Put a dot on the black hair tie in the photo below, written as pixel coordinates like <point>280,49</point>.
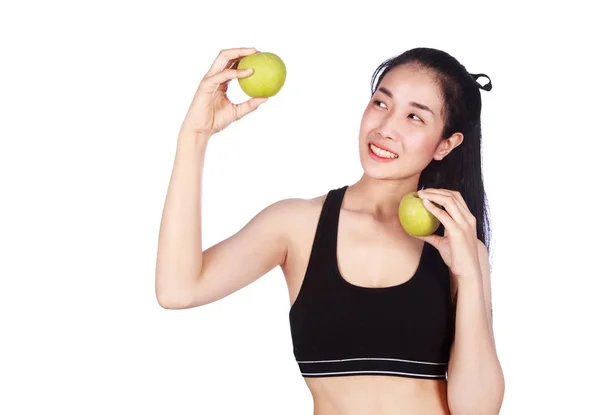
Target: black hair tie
<point>486,87</point>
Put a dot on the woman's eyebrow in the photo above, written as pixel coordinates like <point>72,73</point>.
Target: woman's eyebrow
<point>423,107</point>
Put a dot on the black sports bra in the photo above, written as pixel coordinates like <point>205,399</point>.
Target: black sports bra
<point>340,329</point>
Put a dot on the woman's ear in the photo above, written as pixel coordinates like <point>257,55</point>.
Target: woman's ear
<point>447,145</point>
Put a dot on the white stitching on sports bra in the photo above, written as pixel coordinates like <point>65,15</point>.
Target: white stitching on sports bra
<point>369,358</point>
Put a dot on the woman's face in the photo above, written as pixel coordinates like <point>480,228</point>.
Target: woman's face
<point>402,125</point>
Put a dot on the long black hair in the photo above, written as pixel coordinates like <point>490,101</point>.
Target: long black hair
<point>461,169</point>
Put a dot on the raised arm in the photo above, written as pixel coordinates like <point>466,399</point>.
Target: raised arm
<point>186,274</point>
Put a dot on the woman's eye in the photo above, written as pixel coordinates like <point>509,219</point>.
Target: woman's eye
<point>416,117</point>
<point>378,103</point>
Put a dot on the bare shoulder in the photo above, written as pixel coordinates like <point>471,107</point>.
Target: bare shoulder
<point>297,217</point>
<point>303,208</point>
<point>296,205</point>
<point>295,211</point>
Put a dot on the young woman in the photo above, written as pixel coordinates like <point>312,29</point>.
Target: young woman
<point>382,322</point>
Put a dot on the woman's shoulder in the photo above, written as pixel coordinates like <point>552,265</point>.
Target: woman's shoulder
<point>295,214</point>
<point>298,207</point>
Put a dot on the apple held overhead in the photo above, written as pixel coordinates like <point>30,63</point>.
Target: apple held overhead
<point>268,76</point>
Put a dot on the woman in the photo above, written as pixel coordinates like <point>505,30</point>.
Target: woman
<point>382,322</point>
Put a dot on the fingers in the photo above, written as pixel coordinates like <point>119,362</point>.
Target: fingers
<point>225,57</point>
<point>213,82</point>
<point>247,107</point>
<point>457,196</point>
<point>432,239</point>
<point>440,213</point>
<point>444,200</point>
<point>448,200</point>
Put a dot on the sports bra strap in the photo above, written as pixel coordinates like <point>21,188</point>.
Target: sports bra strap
<point>329,222</point>
<point>325,239</point>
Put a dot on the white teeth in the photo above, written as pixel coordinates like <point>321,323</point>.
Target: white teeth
<point>383,153</point>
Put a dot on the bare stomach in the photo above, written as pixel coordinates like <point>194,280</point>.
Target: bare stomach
<point>378,395</point>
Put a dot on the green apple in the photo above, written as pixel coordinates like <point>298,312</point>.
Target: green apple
<point>268,76</point>
<point>414,216</point>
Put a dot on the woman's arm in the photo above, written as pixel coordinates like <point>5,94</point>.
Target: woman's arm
<point>189,275</point>
<point>186,274</point>
<point>475,377</point>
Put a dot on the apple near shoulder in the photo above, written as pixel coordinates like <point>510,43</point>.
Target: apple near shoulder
<point>414,216</point>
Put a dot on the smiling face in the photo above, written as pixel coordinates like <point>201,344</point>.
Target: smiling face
<point>401,127</point>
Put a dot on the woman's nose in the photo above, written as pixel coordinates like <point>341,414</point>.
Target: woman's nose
<point>387,129</point>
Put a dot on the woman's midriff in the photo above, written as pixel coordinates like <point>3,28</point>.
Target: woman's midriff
<point>378,395</point>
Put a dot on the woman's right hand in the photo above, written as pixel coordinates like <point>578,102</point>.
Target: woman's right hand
<point>211,110</point>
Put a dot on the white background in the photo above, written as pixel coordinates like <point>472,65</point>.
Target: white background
<point>92,95</point>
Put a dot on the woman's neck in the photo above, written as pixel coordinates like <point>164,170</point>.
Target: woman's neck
<point>379,198</point>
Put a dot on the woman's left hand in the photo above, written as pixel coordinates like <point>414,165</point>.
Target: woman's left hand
<point>459,245</point>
